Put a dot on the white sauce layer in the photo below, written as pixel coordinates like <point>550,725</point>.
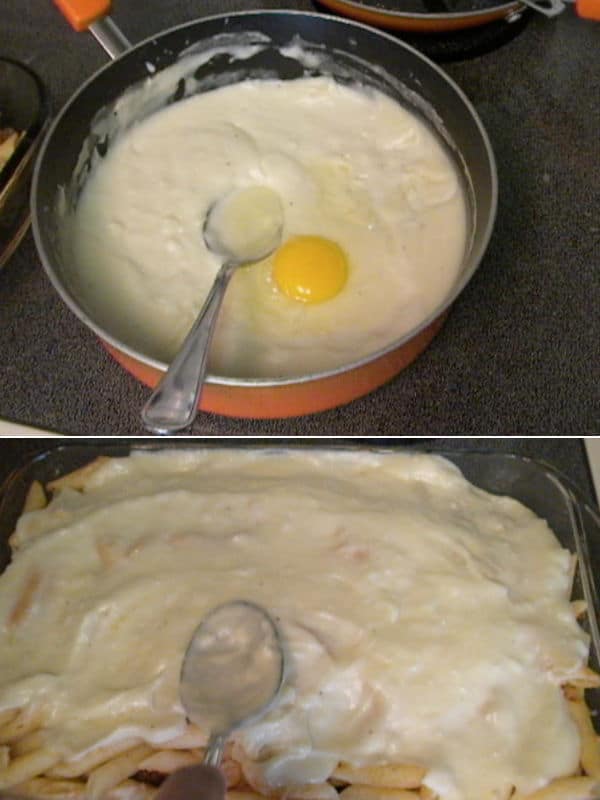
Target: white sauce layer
<point>350,165</point>
<point>426,621</point>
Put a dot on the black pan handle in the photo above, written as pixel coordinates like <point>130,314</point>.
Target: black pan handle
<point>93,15</point>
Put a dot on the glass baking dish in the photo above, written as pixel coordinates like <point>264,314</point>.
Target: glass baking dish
<point>539,486</point>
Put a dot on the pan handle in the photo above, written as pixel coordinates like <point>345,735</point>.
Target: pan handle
<point>549,8</point>
<point>93,15</point>
<point>588,9</point>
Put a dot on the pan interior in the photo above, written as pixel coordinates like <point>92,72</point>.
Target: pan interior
<point>234,55</point>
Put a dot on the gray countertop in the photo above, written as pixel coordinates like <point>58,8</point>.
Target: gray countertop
<point>519,353</point>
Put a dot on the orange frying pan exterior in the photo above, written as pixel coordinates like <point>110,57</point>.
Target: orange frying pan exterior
<point>294,399</point>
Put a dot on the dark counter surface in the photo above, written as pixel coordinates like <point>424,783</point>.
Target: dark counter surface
<point>519,353</point>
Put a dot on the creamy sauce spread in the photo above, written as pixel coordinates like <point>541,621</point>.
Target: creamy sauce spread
<point>349,164</point>
<point>425,620</point>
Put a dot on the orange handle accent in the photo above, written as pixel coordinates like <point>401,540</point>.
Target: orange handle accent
<point>590,9</point>
<point>81,13</point>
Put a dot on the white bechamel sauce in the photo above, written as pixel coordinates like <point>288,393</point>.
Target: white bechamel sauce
<point>350,165</point>
<point>425,620</point>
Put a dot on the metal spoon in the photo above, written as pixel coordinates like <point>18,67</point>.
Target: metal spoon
<point>243,227</point>
<point>232,672</point>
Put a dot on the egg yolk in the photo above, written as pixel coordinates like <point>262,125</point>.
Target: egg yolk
<point>310,269</point>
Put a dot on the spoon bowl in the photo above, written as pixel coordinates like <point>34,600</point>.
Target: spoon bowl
<point>245,225</point>
<point>232,671</point>
<point>231,674</point>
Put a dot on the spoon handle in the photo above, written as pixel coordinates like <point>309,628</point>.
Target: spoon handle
<point>214,750</point>
<point>173,404</point>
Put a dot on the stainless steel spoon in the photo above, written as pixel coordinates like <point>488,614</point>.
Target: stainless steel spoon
<point>232,672</point>
<point>243,227</point>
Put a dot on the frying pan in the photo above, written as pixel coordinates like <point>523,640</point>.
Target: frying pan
<point>438,16</point>
<point>374,58</point>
